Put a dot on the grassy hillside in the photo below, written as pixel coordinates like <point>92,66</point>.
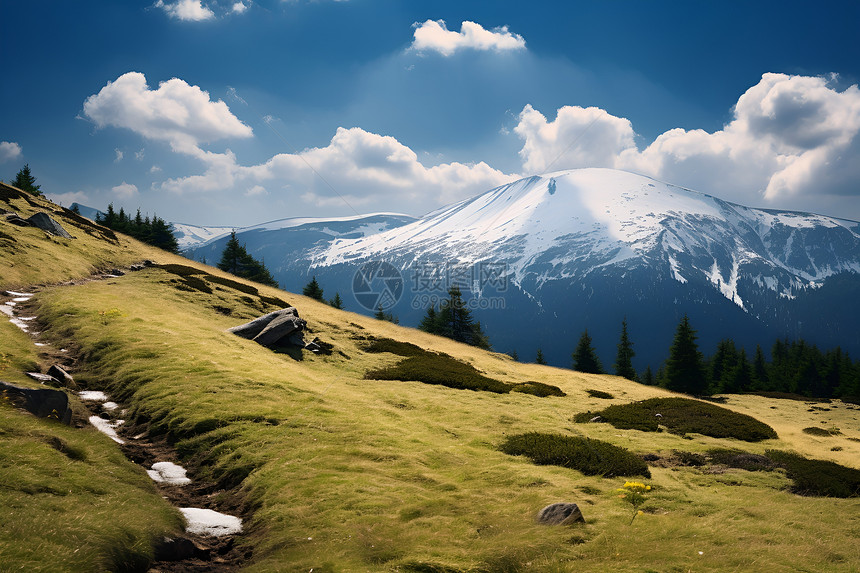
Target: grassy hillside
<point>333,471</point>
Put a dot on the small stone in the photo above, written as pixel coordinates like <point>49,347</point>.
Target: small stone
<point>560,514</point>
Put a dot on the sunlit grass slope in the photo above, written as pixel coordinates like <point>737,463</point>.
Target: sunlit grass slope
<point>335,472</point>
<point>345,474</point>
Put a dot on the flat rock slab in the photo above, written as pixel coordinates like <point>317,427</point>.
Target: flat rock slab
<point>560,514</point>
<point>49,225</point>
<point>210,522</point>
<point>274,328</point>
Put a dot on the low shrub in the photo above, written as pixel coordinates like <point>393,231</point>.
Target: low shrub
<point>538,389</point>
<point>741,460</point>
<point>394,347</point>
<point>683,416</point>
<point>591,457</point>
<point>817,477</point>
<point>815,431</point>
<point>690,459</point>
<point>439,369</point>
<point>600,394</point>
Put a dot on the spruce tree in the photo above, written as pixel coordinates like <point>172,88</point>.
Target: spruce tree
<point>454,320</point>
<point>25,181</point>
<point>236,260</point>
<point>685,371</point>
<point>624,359</point>
<point>336,302</point>
<point>539,359</point>
<point>648,377</point>
<point>313,290</point>
<point>584,357</point>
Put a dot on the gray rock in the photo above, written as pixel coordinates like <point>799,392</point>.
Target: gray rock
<point>43,403</point>
<point>251,329</point>
<point>64,377</point>
<point>49,225</point>
<point>44,379</point>
<point>286,326</point>
<point>560,514</point>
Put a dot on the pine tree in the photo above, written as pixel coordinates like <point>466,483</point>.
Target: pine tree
<point>514,356</point>
<point>685,371</point>
<point>75,209</point>
<point>336,302</point>
<point>539,359</point>
<point>454,320</point>
<point>584,357</point>
<point>761,380</point>
<point>236,260</point>
<point>648,377</point>
<point>624,359</point>
<point>25,181</point>
<point>313,290</point>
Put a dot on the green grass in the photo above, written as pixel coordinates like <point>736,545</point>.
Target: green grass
<point>683,416</point>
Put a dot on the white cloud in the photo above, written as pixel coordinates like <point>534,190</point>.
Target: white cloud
<point>256,191</point>
<point>119,155</point>
<point>178,113</point>
<point>124,190</point>
<point>186,10</point>
<point>358,168</point>
<point>155,169</point>
<point>577,137</point>
<point>9,151</point>
<point>66,199</point>
<point>433,35</point>
<point>239,8</point>
<point>792,139</point>
<point>139,155</point>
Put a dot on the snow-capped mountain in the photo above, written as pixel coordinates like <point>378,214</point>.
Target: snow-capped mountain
<point>547,256</point>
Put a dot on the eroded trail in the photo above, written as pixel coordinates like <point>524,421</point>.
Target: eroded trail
<point>211,513</point>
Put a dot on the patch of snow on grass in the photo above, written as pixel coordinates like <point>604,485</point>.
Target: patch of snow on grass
<point>108,427</point>
<point>93,395</point>
<point>110,406</point>
<point>14,293</point>
<point>169,473</point>
<point>209,522</point>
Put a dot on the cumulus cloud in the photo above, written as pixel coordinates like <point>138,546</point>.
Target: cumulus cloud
<point>433,35</point>
<point>577,137</point>
<point>66,199</point>
<point>177,113</point>
<point>187,10</point>
<point>119,155</point>
<point>357,167</point>
<point>239,8</point>
<point>790,137</point>
<point>9,151</point>
<point>124,190</point>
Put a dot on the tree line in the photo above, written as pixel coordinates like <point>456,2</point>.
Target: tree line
<point>795,367</point>
<point>155,231</point>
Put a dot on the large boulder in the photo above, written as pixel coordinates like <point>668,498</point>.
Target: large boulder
<point>43,403</point>
<point>560,514</point>
<point>49,225</point>
<point>279,327</point>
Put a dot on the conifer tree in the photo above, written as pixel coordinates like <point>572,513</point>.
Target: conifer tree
<point>624,359</point>
<point>25,181</point>
<point>313,289</point>
<point>585,358</point>
<point>514,355</point>
<point>336,302</point>
<point>648,377</point>
<point>539,359</point>
<point>454,320</point>
<point>236,260</point>
<point>685,371</point>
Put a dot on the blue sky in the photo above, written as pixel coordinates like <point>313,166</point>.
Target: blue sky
<point>234,112</point>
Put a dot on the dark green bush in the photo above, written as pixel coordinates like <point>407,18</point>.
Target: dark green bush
<point>600,394</point>
<point>683,416</point>
<point>591,457</point>
<point>741,460</point>
<point>817,477</point>
<point>439,369</point>
<point>394,347</point>
<point>690,459</point>
<point>815,431</point>
<point>538,389</point>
